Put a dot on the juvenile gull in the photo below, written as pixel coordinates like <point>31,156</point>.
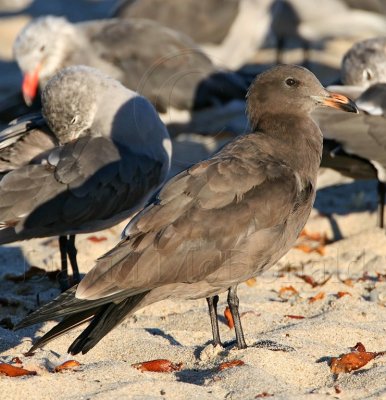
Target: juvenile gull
<point>215,225</point>
<point>95,158</point>
<point>159,63</point>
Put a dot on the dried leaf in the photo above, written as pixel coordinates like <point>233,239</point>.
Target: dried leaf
<point>358,358</point>
<point>157,366</point>
<point>10,370</point>
<point>31,273</point>
<point>311,281</point>
<point>229,318</point>
<point>96,239</point>
<point>317,297</point>
<point>264,394</point>
<point>230,364</point>
<point>251,282</point>
<point>337,389</point>
<point>359,347</point>
<point>347,282</point>
<point>304,247</point>
<point>287,291</point>
<point>67,365</point>
<point>16,360</point>
<point>294,316</point>
<point>341,294</point>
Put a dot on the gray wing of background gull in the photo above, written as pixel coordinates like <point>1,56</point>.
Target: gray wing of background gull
<point>214,225</point>
<point>230,31</point>
<point>164,65</point>
<point>23,141</point>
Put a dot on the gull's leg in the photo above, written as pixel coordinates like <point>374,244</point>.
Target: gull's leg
<point>233,302</point>
<point>72,252</point>
<point>212,304</point>
<point>63,276</point>
<point>381,203</point>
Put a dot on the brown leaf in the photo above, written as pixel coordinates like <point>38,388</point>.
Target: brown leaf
<point>347,282</point>
<point>287,290</point>
<point>337,389</point>
<point>251,282</point>
<point>96,239</point>
<point>157,366</point>
<point>31,273</point>
<point>264,394</point>
<point>311,281</point>
<point>229,318</point>
<point>16,360</point>
<point>317,297</point>
<point>359,347</point>
<point>67,365</point>
<point>354,360</point>
<point>341,294</point>
<point>294,316</point>
<point>230,364</point>
<point>304,247</point>
<point>10,370</point>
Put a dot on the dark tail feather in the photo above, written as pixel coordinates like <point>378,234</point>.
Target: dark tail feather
<point>64,326</point>
<point>64,305</point>
<point>103,322</point>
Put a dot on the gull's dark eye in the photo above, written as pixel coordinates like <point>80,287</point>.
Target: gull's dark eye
<point>291,82</point>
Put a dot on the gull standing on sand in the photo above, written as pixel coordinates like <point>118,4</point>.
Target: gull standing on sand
<point>92,160</point>
<point>215,225</point>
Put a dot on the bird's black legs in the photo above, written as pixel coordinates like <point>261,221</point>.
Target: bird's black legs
<point>233,302</point>
<point>72,252</point>
<point>212,304</point>
<point>67,249</point>
<point>381,203</point>
<point>63,276</point>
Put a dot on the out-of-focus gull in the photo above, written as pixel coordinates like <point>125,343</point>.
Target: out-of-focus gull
<point>214,225</point>
<point>159,63</point>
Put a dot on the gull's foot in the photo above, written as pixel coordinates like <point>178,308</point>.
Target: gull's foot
<point>273,346</point>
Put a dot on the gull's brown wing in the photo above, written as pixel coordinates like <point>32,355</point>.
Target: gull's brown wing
<point>191,219</point>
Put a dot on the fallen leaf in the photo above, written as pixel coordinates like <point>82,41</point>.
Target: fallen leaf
<point>311,281</point>
<point>31,273</point>
<point>341,294</point>
<point>264,394</point>
<point>304,247</point>
<point>359,347</point>
<point>229,318</point>
<point>294,316</point>
<point>290,290</point>
<point>96,239</point>
<point>337,389</point>
<point>10,370</point>
<point>230,364</point>
<point>354,360</point>
<point>317,297</point>
<point>16,360</point>
<point>67,365</point>
<point>157,366</point>
<point>347,282</point>
<point>251,282</point>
